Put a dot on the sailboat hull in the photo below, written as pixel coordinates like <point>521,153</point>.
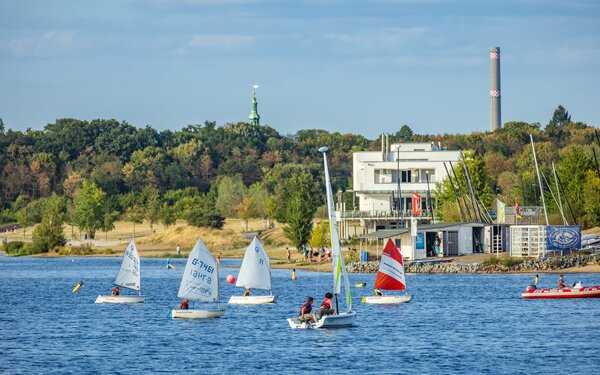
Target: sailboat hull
<point>197,314</point>
<point>120,299</point>
<point>388,300</point>
<point>341,320</point>
<point>252,300</point>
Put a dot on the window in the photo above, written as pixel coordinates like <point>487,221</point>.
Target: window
<point>383,176</point>
<point>406,176</point>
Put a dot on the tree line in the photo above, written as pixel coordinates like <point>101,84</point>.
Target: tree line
<point>92,173</point>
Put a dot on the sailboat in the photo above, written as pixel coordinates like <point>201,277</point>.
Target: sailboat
<point>255,273</point>
<point>340,275</point>
<point>200,283</point>
<point>390,277</point>
<point>128,277</point>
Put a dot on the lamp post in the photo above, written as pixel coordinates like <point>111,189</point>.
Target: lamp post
<point>428,197</point>
<point>400,214</point>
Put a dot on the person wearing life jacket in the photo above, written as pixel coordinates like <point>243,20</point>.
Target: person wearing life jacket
<point>115,291</point>
<point>247,292</point>
<point>326,307</point>
<point>378,292</point>
<point>305,311</point>
<point>184,305</point>
<point>561,282</point>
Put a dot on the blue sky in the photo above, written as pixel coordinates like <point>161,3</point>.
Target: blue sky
<point>362,67</point>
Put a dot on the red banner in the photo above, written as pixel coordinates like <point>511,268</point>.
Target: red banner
<point>416,204</point>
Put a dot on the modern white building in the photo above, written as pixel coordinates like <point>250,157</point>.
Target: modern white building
<point>380,177</point>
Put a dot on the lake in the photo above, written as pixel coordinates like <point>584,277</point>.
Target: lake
<point>454,324</point>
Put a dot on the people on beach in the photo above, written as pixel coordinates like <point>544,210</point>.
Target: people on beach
<point>306,310</point>
<point>326,307</point>
<point>178,249</point>
<point>183,305</point>
<point>288,255</point>
<point>115,291</point>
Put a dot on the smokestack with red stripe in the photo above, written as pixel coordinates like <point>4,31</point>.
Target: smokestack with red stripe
<point>495,112</point>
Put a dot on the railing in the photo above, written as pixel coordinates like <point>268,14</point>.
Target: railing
<point>383,214</point>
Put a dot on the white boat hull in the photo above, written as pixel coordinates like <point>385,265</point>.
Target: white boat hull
<point>388,300</point>
<point>252,300</point>
<point>327,321</point>
<point>120,299</point>
<point>197,314</point>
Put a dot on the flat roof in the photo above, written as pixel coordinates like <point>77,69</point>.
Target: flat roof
<point>385,233</point>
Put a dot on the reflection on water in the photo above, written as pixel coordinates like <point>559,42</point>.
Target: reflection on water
<point>454,324</point>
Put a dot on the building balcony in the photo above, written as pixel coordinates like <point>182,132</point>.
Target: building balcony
<point>383,215</point>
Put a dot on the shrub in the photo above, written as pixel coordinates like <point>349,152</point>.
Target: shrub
<point>491,261</point>
<point>14,248</point>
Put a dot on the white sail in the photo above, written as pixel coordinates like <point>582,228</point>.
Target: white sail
<point>129,274</point>
<point>200,280</point>
<point>340,274</point>
<point>255,272</point>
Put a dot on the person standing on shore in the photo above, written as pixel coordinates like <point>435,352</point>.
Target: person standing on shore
<point>178,250</point>
<point>288,255</point>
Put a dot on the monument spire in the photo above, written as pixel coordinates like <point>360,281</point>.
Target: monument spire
<point>254,116</point>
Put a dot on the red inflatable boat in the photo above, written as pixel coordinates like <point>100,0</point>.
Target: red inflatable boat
<point>577,291</point>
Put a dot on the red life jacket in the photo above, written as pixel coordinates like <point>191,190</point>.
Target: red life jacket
<point>326,304</point>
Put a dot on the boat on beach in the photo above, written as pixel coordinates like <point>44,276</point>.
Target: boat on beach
<point>199,283</point>
<point>128,278</point>
<point>390,277</point>
<point>576,291</point>
<point>255,273</point>
<point>340,274</point>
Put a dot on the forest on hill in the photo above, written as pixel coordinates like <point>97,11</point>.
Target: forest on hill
<point>91,173</point>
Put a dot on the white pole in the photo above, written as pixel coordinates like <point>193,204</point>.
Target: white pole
<point>539,179</point>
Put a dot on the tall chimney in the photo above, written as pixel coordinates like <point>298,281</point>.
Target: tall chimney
<point>495,112</point>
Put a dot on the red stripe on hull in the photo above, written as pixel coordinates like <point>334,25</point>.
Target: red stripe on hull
<point>553,293</point>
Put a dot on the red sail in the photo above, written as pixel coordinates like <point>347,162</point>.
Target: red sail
<point>391,269</point>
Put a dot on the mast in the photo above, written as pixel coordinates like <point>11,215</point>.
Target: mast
<point>400,213</point>
<point>218,290</point>
<point>460,210</point>
<point>560,207</point>
<point>462,194</point>
<point>539,179</point>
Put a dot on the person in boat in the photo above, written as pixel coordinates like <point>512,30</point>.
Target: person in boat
<point>247,292</point>
<point>378,292</point>
<point>184,305</point>
<point>115,291</point>
<point>306,311</point>
<point>326,307</point>
<point>561,282</point>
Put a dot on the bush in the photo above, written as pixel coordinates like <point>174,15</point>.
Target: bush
<point>510,262</point>
<point>14,248</point>
<point>491,261</point>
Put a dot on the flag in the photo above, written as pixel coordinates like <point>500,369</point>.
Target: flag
<point>517,213</point>
<point>416,204</point>
<point>500,209</point>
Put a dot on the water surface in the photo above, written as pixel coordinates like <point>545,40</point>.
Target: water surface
<point>454,324</point>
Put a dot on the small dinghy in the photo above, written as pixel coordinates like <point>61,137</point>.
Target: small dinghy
<point>128,277</point>
<point>576,291</point>
<point>199,283</point>
<point>340,274</point>
<point>255,273</point>
<point>390,277</point>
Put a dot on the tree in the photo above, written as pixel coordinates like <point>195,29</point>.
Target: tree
<point>318,235</point>
<point>167,215</point>
<point>300,209</point>
<point>231,192</point>
<point>135,214</point>
<point>201,211</point>
<point>405,134</point>
<point>88,205</point>
<point>245,210</point>
<point>591,197</point>
<point>560,117</point>
<point>49,233</point>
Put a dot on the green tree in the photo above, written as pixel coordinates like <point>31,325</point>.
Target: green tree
<point>49,233</point>
<point>405,134</point>
<point>245,210</point>
<point>300,210</point>
<point>560,117</point>
<point>167,215</point>
<point>591,197</point>
<point>88,204</point>
<point>135,214</point>
<point>231,192</point>
<point>201,211</point>
<point>319,235</point>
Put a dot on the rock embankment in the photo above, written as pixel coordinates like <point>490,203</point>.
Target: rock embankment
<point>490,265</point>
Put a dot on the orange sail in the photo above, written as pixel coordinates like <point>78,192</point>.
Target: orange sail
<point>391,269</point>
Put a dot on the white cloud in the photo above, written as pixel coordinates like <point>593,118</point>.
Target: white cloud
<point>222,42</point>
<point>48,43</point>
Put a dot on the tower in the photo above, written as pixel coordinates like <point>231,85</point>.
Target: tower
<point>254,116</point>
<point>495,112</point>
